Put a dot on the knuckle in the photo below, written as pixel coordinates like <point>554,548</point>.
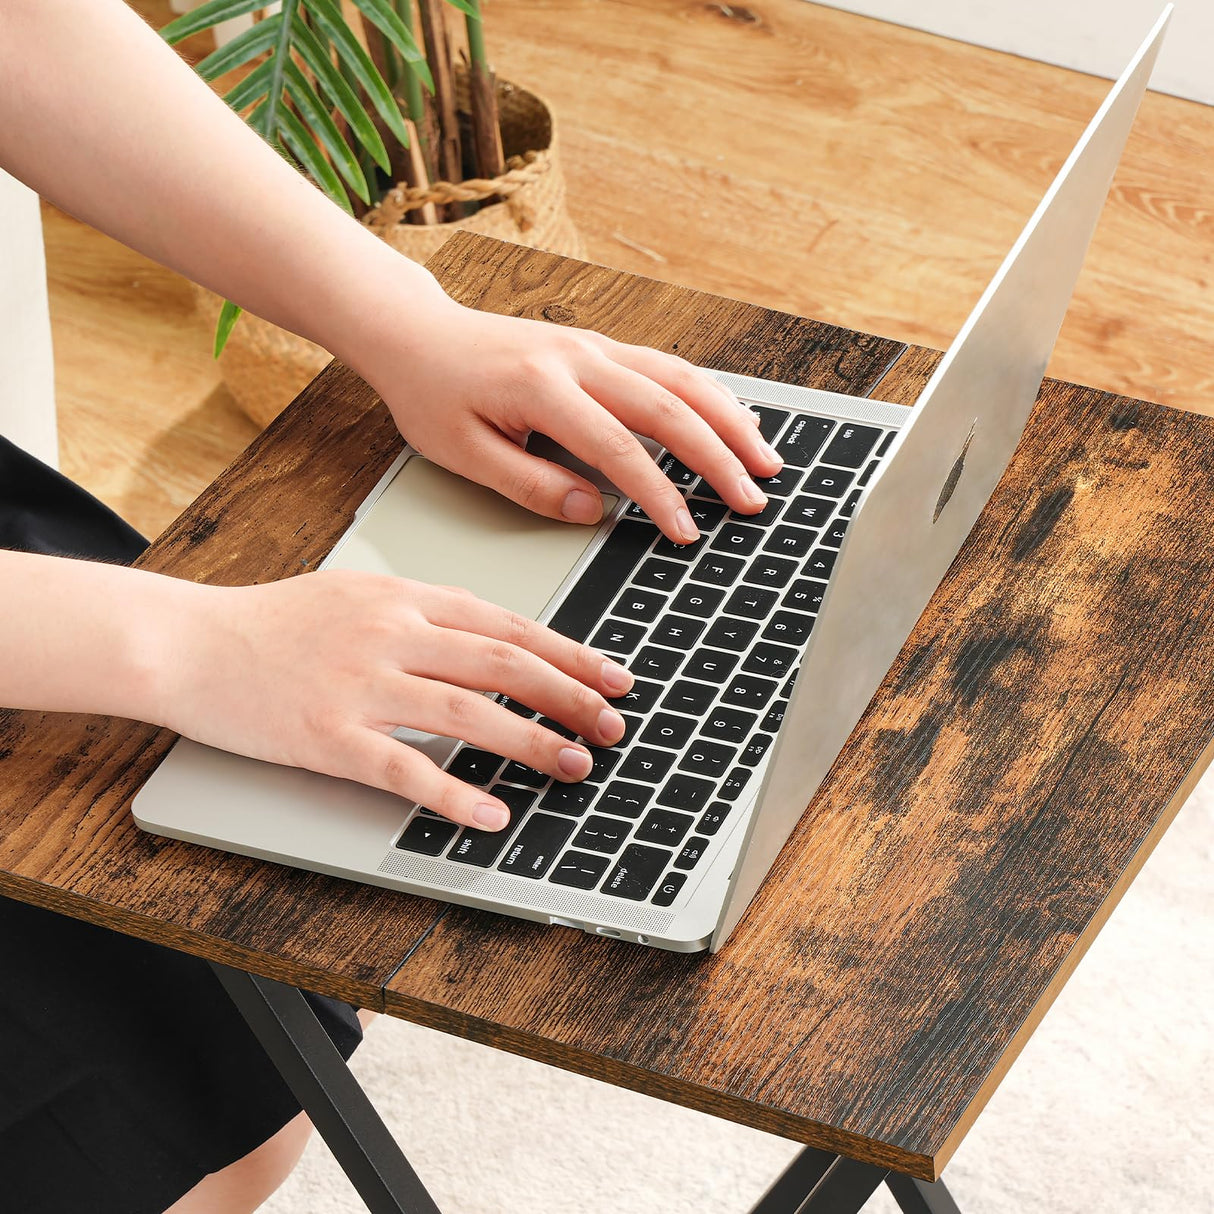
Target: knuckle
<point>668,408</point>
<point>502,657</point>
<point>617,443</point>
<point>518,628</point>
<point>529,488</point>
<point>399,768</point>
<point>461,707</point>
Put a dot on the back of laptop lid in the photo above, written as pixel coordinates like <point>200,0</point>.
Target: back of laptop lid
<point>940,472</point>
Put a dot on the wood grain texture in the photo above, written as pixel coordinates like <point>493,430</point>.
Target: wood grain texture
<point>1033,740</point>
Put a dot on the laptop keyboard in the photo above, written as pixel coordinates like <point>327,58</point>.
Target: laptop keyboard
<point>712,632</point>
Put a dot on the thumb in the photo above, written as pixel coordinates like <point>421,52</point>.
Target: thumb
<point>535,483</point>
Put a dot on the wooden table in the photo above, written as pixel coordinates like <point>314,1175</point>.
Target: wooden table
<point>1041,727</point>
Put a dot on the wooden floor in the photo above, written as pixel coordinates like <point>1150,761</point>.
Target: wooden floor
<point>782,153</point>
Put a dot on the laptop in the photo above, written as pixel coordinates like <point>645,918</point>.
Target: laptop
<point>755,650</point>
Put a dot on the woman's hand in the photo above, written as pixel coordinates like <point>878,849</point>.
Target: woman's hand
<point>317,671</point>
<point>467,388</point>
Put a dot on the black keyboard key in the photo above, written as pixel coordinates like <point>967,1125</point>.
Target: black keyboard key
<point>698,600</point>
<point>556,727</point>
<point>730,724</point>
<point>832,537</point>
<point>849,507</point>
<point>732,788</point>
<point>790,627</point>
<point>770,571</point>
<point>821,561</point>
<point>579,869</point>
<point>686,696</point>
<point>790,541</point>
<point>615,636</point>
<point>664,826</point>
<point>602,834</point>
<point>850,447</point>
<point>692,850</point>
<point>803,440</point>
<point>751,602</point>
<point>829,482</point>
<point>631,726</point>
<point>679,551</point>
<point>676,472</point>
<point>771,421</point>
<point>775,716</point>
<point>755,749</point>
<point>782,484</point>
<point>711,665</point>
<point>786,690</point>
<point>669,731</point>
<point>602,579</point>
<point>568,798</point>
<point>645,763</point>
<point>804,594</point>
<point>656,574</point>
<point>718,570</point>
<point>764,518</point>
<point>642,605</point>
<point>707,516</point>
<point>729,633</point>
<point>775,661</point>
<point>737,540</point>
<point>686,792</point>
<point>535,847</point>
<point>603,761</point>
<point>519,773</point>
<point>655,663</point>
<point>809,511</point>
<point>640,697</point>
<point>475,766</point>
<point>519,710</point>
<point>714,817</point>
<point>677,631</point>
<point>669,888</point>
<point>625,799</point>
<point>867,474</point>
<point>749,691</point>
<point>483,847</point>
<point>636,510</point>
<point>636,872</point>
<point>427,836</point>
<point>708,759</point>
<point>886,442</point>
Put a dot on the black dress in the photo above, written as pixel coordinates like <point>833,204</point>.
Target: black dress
<point>126,1073</point>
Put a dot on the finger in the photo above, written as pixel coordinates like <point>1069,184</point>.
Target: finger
<point>482,663</point>
<point>583,426</point>
<point>710,399</point>
<point>455,712</point>
<point>644,405</point>
<point>381,761</point>
<point>467,613</point>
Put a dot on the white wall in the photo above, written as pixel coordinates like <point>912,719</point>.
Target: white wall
<point>1095,36</point>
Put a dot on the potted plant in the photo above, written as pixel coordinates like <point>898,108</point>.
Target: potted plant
<point>395,113</point>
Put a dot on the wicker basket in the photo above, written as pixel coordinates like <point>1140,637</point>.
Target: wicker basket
<point>265,367</point>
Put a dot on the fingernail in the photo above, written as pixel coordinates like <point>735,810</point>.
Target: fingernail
<point>689,531</point>
<point>611,724</point>
<point>616,677</point>
<point>751,492</point>
<point>574,762</point>
<point>771,453</point>
<point>581,507</point>
<point>491,817</point>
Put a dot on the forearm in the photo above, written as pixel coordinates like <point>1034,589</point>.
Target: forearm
<point>102,118</point>
<point>81,636</point>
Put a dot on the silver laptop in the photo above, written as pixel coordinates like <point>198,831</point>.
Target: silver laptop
<point>755,650</point>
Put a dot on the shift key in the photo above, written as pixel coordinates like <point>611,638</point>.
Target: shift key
<point>537,846</point>
<point>803,440</point>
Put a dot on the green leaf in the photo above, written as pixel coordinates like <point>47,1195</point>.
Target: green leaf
<point>328,17</point>
<point>251,88</point>
<point>296,137</point>
<point>207,15</point>
<point>280,57</point>
<point>464,7</point>
<point>316,57</point>
<point>241,49</point>
<point>381,15</point>
<point>229,314</point>
<point>314,114</point>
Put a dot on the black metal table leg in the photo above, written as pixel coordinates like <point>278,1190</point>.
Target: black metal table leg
<point>921,1196</point>
<point>817,1182</point>
<point>310,1064</point>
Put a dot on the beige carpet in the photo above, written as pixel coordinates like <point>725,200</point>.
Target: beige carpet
<point>1107,1110</point>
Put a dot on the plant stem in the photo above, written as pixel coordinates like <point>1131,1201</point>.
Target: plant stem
<point>438,55</point>
<point>486,127</point>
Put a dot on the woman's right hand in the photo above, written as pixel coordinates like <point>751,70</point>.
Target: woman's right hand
<point>317,671</point>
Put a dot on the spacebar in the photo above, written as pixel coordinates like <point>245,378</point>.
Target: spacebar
<point>594,591</point>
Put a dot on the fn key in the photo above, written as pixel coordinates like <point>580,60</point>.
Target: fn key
<point>636,872</point>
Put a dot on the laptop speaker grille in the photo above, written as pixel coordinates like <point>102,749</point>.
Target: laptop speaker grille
<point>553,899</point>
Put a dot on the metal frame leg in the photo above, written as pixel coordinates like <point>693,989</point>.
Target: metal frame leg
<point>817,1182</point>
<point>313,1069</point>
<point>921,1196</point>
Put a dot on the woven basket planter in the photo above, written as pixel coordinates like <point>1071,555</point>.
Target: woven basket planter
<point>265,367</point>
